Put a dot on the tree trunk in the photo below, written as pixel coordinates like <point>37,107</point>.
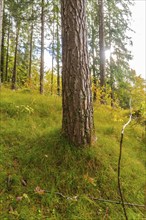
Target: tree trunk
<point>93,66</point>
<point>30,48</point>
<point>30,54</point>
<point>14,75</point>
<point>77,121</point>
<point>7,53</point>
<point>111,60</point>
<point>101,48</point>
<point>58,55</point>
<point>52,74</point>
<point>2,39</point>
<point>1,22</point>
<point>42,51</point>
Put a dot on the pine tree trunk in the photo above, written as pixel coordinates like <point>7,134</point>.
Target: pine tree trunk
<point>1,31</point>
<point>93,67</point>
<point>14,75</point>
<point>30,54</point>
<point>2,37</point>
<point>58,56</point>
<point>30,48</point>
<point>111,60</point>
<point>77,121</point>
<point>42,51</point>
<point>52,74</point>
<point>101,48</point>
<point>7,53</point>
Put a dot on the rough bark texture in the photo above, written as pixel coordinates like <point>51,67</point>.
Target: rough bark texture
<point>101,44</point>
<point>76,81</point>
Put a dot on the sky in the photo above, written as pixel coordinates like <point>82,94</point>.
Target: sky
<point>138,24</point>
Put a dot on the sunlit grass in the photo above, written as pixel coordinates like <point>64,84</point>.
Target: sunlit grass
<point>34,153</point>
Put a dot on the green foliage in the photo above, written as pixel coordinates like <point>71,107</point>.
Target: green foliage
<point>35,157</point>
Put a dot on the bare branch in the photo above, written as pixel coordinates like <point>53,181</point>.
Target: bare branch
<point>119,162</point>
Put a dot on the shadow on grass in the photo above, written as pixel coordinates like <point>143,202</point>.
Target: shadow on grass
<point>50,161</point>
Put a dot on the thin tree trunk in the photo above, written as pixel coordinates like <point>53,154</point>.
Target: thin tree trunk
<point>42,51</point>
<point>93,67</point>
<point>30,54</point>
<point>2,37</point>
<point>14,75</point>
<point>101,48</point>
<point>77,122</point>
<point>7,53</point>
<point>30,49</point>
<point>111,60</point>
<point>52,74</point>
<point>58,56</point>
<point>1,30</point>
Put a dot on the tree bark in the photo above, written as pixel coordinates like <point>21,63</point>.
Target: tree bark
<point>53,49</point>
<point>58,56</point>
<point>2,39</point>
<point>7,53</point>
<point>111,62</point>
<point>101,47</point>
<point>93,66</point>
<point>1,22</point>
<point>77,123</point>
<point>14,75</point>
<point>52,73</point>
<point>42,50</point>
<point>31,47</point>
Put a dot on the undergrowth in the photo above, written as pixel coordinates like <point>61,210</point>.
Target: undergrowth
<point>42,176</point>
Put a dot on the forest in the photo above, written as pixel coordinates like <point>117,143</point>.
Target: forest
<point>72,112</point>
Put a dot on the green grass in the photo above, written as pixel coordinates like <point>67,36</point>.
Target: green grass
<point>34,153</point>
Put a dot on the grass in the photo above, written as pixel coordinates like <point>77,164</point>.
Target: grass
<point>35,157</point>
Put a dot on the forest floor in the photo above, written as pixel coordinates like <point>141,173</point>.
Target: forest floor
<point>42,176</point>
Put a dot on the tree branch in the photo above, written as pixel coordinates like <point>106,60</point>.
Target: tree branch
<point>119,162</point>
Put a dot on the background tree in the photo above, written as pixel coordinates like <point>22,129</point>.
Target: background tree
<point>42,48</point>
<point>1,21</point>
<point>101,44</point>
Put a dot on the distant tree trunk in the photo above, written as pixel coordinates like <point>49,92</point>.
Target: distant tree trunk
<point>1,19</point>
<point>52,74</point>
<point>58,56</point>
<point>14,75</point>
<point>93,66</point>
<point>1,30</point>
<point>77,121</point>
<point>111,60</point>
<point>30,54</point>
<point>2,39</point>
<point>30,48</point>
<point>101,47</point>
<point>7,53</point>
<point>42,50</point>
<point>112,84</point>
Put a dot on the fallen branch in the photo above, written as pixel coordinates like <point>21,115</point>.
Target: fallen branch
<point>75,198</point>
<point>118,202</point>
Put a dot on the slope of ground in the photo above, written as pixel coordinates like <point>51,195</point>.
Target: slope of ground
<point>42,176</point>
